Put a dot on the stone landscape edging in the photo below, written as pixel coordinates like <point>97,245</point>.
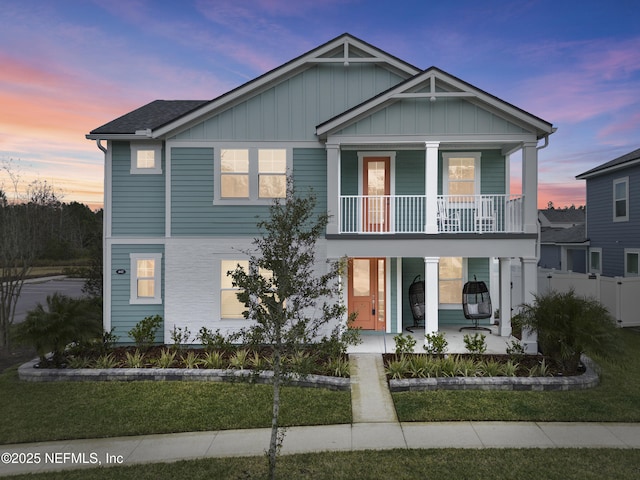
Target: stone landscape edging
<point>588,379</point>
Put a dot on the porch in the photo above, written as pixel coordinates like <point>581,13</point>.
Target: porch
<point>379,342</point>
<point>391,214</point>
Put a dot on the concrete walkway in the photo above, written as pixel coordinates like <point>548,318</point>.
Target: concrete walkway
<point>374,427</point>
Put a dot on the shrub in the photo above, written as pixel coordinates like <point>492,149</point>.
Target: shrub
<point>144,333</point>
<point>211,340</point>
<point>166,358</point>
<point>180,336</point>
<point>515,350</point>
<point>397,368</point>
<point>190,360</point>
<point>475,344</point>
<point>436,344</point>
<point>404,344</point>
<point>213,360</point>
<point>62,322</point>
<point>568,326</point>
<point>106,361</point>
<point>134,360</point>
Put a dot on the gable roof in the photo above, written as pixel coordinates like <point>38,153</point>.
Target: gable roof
<point>447,86</point>
<point>343,49</point>
<point>574,234</point>
<point>149,116</point>
<point>626,160</point>
<point>564,215</point>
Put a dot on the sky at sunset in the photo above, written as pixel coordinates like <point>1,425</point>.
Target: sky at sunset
<point>69,66</point>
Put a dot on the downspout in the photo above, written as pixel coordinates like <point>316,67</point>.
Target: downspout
<point>104,150</point>
<point>545,145</point>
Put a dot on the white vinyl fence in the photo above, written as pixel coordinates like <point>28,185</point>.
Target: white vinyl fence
<point>620,295</point>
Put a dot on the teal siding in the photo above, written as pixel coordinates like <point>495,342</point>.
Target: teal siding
<point>192,191</point>
<point>138,201</point>
<point>349,173</point>
<point>310,174</point>
<point>293,108</point>
<point>410,173</point>
<point>125,316</point>
<point>492,173</point>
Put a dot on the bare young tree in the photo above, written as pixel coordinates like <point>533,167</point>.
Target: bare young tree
<point>23,223</point>
<point>290,302</point>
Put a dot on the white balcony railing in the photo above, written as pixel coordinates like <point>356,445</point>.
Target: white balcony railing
<point>382,214</point>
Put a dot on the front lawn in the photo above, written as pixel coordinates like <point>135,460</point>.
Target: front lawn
<point>64,410</point>
<point>616,399</point>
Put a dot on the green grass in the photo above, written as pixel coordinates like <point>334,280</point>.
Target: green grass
<point>534,464</point>
<point>616,399</point>
<point>65,410</point>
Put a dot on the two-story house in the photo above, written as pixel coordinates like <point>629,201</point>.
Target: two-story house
<point>563,245</point>
<point>413,165</point>
<point>613,216</point>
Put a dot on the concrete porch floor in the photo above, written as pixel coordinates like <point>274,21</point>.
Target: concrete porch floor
<point>379,342</point>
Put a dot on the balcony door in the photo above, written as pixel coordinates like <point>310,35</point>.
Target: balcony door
<point>367,292</point>
<point>376,188</point>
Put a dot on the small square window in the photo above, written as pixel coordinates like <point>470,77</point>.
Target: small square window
<point>146,158</point>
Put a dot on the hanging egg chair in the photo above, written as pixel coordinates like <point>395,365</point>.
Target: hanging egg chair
<point>416,300</point>
<point>476,303</point>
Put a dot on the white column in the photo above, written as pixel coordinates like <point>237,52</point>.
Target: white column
<point>505,297</point>
<point>431,186</point>
<point>333,187</point>
<point>431,299</point>
<point>529,290</point>
<point>530,187</point>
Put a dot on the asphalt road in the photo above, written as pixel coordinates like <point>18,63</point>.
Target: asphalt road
<point>36,291</point>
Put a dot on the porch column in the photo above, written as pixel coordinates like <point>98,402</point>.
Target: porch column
<point>333,187</point>
<point>529,290</point>
<point>530,187</point>
<point>431,294</point>
<point>505,297</point>
<point>431,187</point>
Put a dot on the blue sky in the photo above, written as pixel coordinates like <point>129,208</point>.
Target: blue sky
<point>69,66</point>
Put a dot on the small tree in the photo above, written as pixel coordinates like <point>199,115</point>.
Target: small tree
<point>569,325</point>
<point>289,302</point>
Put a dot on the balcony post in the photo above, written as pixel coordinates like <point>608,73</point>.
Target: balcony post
<point>333,187</point>
<point>505,297</point>
<point>530,188</point>
<point>431,187</point>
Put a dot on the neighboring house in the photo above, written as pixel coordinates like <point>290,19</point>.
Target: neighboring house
<point>413,165</point>
<point>563,244</point>
<point>613,216</point>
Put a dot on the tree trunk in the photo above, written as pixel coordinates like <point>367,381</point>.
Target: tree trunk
<point>273,444</point>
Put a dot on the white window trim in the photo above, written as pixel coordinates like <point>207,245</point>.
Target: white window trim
<point>617,181</point>
<point>157,279</point>
<point>465,276</point>
<point>599,251</point>
<point>220,289</point>
<point>445,169</point>
<point>253,199</point>
<point>157,149</point>
<point>631,251</point>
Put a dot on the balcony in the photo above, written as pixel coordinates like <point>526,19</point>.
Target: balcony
<point>392,214</point>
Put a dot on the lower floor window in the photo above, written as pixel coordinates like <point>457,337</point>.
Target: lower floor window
<point>230,306</point>
<point>146,287</point>
<point>595,260</point>
<point>631,263</point>
<point>451,275</point>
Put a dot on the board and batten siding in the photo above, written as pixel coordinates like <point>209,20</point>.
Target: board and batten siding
<point>125,316</point>
<point>421,116</point>
<point>192,192</point>
<point>138,201</point>
<point>293,108</point>
<point>602,231</point>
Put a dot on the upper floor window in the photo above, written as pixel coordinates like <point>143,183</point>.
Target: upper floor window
<point>251,175</point>
<point>461,174</point>
<point>146,158</point>
<point>146,287</point>
<point>621,199</point>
